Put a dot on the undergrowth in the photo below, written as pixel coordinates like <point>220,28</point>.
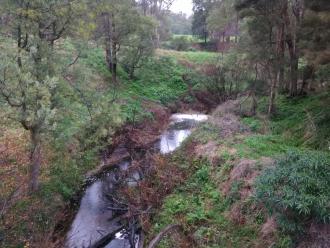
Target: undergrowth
<point>297,189</point>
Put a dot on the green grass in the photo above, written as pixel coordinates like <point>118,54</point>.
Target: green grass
<point>305,120</point>
<point>200,207</point>
<point>257,146</point>
<point>195,57</point>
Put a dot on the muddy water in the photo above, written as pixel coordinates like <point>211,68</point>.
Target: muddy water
<point>96,217</point>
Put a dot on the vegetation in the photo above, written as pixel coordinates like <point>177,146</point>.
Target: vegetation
<point>289,188</point>
<point>180,24</point>
<point>84,81</point>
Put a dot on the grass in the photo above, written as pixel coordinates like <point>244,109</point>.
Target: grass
<point>306,120</point>
<point>199,206</point>
<point>191,56</point>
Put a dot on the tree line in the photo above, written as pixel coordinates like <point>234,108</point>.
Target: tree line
<point>286,41</point>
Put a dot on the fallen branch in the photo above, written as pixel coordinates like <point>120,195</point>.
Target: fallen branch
<point>163,233</point>
<point>7,201</point>
<point>107,238</point>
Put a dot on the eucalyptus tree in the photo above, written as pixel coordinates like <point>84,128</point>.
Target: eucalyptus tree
<point>201,9</point>
<point>157,9</point>
<point>221,16</point>
<point>116,20</point>
<point>286,17</point>
<point>27,70</point>
<point>139,46</point>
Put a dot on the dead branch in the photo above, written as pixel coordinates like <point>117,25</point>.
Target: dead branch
<point>163,233</point>
<point>107,238</point>
<point>8,200</point>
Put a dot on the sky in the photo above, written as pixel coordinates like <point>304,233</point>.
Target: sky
<point>184,6</point>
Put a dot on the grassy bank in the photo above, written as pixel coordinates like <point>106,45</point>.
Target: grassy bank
<point>235,196</point>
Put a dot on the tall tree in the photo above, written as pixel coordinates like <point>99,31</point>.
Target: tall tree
<point>138,46</point>
<point>27,76</point>
<point>201,10</point>
<point>116,21</point>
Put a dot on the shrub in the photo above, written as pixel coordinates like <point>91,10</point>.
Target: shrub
<point>297,188</point>
<point>180,43</point>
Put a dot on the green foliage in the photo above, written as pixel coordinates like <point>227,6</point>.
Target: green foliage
<point>304,120</point>
<point>206,132</point>
<point>179,23</point>
<point>200,207</point>
<point>192,57</point>
<point>159,80</point>
<point>178,43</point>
<point>234,194</point>
<point>297,188</point>
<point>253,123</point>
<point>138,47</point>
<point>323,73</point>
<point>201,13</point>
<point>256,146</point>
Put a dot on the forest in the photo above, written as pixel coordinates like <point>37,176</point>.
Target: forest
<point>126,124</point>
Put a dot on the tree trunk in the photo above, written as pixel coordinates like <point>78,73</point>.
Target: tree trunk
<point>108,49</point>
<point>35,159</point>
<point>271,107</point>
<point>272,96</point>
<point>281,58</point>
<point>114,62</point>
<point>294,76</point>
<point>292,41</point>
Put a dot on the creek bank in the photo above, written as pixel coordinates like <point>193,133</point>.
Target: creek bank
<point>212,201</point>
<point>131,143</point>
<point>104,210</point>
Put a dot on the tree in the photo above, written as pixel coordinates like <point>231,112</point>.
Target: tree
<point>222,13</point>
<point>179,23</point>
<point>138,46</point>
<point>201,12</point>
<point>117,20</point>
<point>27,72</point>
<point>157,9</point>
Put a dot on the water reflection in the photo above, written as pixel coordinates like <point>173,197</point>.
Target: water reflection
<point>180,128</point>
<point>95,218</point>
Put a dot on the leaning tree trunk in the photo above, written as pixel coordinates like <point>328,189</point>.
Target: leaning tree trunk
<point>35,162</point>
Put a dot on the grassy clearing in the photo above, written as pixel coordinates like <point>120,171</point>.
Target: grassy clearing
<point>192,57</point>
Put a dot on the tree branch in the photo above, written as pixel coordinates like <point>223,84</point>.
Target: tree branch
<point>160,236</point>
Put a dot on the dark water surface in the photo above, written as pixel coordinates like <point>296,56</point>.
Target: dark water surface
<point>94,219</point>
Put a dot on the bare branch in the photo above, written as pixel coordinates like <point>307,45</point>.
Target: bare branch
<point>163,233</point>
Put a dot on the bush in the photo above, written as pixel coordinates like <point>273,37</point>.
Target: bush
<point>179,43</point>
<point>297,188</point>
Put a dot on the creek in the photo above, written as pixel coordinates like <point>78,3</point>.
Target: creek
<point>99,211</point>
